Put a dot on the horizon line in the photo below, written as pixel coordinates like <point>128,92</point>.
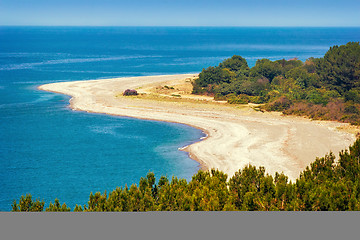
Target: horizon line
<point>195,26</point>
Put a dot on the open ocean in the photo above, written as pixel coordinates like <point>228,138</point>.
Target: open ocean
<point>50,151</point>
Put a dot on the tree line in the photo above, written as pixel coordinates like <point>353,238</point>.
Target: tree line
<point>325,185</point>
<point>325,88</point>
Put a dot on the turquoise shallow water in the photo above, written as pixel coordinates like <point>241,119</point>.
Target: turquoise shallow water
<point>50,151</point>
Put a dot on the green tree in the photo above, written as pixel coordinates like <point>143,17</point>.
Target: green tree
<point>302,77</point>
<point>340,67</point>
<point>56,207</point>
<point>27,204</point>
<point>352,95</point>
<point>287,65</point>
<point>236,64</point>
<point>246,181</point>
<point>349,163</point>
<point>265,68</point>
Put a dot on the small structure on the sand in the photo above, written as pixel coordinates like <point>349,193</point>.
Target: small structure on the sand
<point>130,92</point>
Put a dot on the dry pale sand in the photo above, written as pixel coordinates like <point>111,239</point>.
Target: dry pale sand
<point>237,135</point>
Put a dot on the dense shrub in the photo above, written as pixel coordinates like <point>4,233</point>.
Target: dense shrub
<point>236,64</point>
<point>283,83</point>
<point>339,69</point>
<point>266,68</point>
<point>240,99</point>
<point>352,95</point>
<point>336,110</point>
<point>279,104</point>
<point>27,204</point>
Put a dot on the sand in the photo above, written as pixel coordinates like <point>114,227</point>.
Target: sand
<point>236,135</point>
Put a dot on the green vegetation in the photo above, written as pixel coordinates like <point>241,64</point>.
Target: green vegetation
<point>322,186</point>
<point>325,88</point>
<point>27,204</point>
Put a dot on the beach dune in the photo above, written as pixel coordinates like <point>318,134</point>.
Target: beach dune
<point>236,136</point>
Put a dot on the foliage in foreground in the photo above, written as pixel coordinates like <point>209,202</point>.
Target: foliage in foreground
<point>325,88</point>
<point>322,186</point>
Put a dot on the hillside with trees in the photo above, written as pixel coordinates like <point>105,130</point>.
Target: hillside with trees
<point>322,186</point>
<point>326,88</point>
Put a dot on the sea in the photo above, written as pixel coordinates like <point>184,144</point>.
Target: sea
<point>50,151</point>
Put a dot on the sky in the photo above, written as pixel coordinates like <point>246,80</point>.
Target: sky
<point>180,12</point>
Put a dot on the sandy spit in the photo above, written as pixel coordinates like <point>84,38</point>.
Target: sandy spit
<point>237,136</point>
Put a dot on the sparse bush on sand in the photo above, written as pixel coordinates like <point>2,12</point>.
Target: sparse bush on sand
<point>130,92</point>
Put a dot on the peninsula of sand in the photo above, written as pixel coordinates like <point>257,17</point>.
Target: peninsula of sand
<point>237,135</point>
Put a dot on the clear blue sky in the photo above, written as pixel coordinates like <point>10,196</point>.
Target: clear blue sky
<point>181,12</point>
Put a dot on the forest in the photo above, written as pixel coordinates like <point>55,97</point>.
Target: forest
<point>325,185</point>
<point>326,88</point>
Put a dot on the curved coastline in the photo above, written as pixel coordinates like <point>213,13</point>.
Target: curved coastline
<point>235,136</point>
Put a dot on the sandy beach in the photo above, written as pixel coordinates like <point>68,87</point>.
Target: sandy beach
<point>237,135</point>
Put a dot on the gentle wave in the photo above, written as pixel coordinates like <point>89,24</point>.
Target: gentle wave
<point>67,61</point>
<point>201,58</point>
<point>42,98</point>
<point>189,61</point>
<point>113,130</point>
<point>79,71</point>
<point>33,54</point>
<point>40,82</point>
<point>247,47</point>
<point>105,129</point>
<point>15,105</point>
<point>228,47</point>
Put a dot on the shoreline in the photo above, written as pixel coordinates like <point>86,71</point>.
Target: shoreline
<point>235,135</point>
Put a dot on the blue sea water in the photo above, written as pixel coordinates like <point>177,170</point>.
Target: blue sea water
<point>50,151</point>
